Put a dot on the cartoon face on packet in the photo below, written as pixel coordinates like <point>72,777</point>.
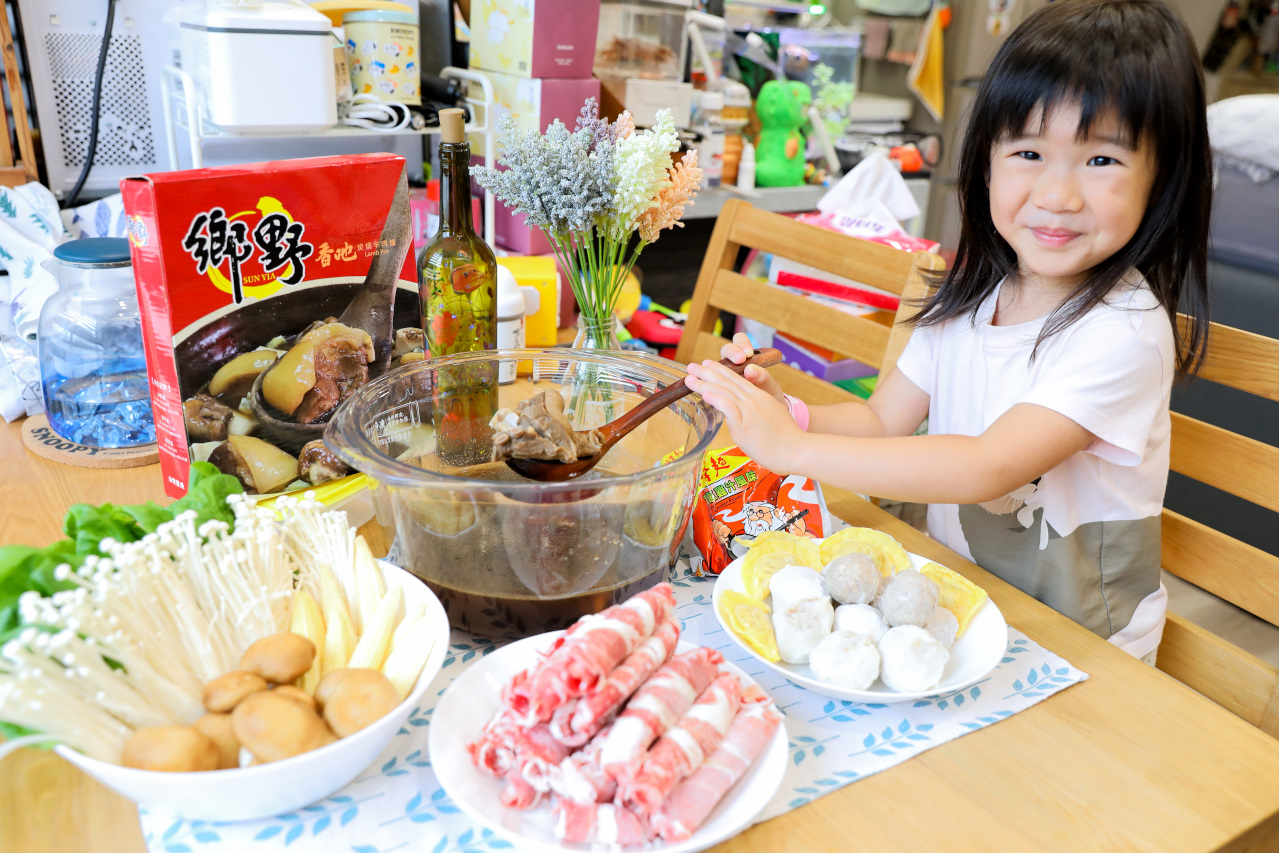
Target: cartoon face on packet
<point>357,67</point>
<point>387,86</point>
<point>391,49</point>
<point>410,68</point>
<point>378,68</point>
<point>369,48</point>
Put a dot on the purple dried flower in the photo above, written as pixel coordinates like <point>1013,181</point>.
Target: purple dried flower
<point>600,129</point>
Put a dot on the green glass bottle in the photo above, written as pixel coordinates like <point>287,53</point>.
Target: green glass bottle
<point>457,280</point>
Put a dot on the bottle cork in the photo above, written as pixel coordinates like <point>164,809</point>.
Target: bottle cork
<point>452,128</point>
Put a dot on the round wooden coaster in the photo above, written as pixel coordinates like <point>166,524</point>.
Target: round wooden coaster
<point>41,440</point>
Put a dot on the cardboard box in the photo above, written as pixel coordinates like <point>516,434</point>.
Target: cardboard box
<point>803,359</point>
<point>535,38</point>
<point>645,97</point>
<point>535,105</point>
<point>228,259</point>
<point>542,274</point>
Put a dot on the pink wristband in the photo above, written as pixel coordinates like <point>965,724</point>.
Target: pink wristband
<point>798,410</point>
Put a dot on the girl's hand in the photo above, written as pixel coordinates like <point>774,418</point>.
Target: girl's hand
<point>760,424</point>
<point>737,352</point>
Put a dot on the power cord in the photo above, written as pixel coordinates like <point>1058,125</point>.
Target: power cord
<point>97,108</point>
<point>369,112</point>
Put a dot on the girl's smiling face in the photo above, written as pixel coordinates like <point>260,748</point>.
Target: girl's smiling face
<point>1066,203</point>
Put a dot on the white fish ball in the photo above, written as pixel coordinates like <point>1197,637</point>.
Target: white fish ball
<point>860,619</point>
<point>795,583</point>
<point>852,579</point>
<point>800,626</point>
<point>911,659</point>
<point>909,598</point>
<point>845,660</point>
<point>943,626</point>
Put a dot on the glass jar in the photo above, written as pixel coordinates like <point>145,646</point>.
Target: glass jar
<point>92,367</point>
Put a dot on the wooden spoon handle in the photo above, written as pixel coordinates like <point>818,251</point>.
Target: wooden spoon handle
<point>615,430</point>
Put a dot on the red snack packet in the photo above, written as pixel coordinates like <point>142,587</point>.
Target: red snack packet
<point>738,499</point>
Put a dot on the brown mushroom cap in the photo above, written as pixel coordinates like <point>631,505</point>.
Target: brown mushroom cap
<point>280,658</point>
<point>170,749</point>
<point>296,694</point>
<point>217,728</point>
<point>276,727</point>
<point>362,697</point>
<point>328,686</point>
<point>223,693</point>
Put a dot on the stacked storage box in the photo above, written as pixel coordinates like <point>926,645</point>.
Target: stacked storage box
<point>539,55</point>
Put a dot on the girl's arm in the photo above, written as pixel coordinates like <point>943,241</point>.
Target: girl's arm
<point>1027,441</point>
<point>897,407</point>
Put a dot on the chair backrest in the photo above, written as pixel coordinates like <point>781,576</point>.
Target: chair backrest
<point>875,339</point>
<point>1214,561</point>
<point>14,172</point>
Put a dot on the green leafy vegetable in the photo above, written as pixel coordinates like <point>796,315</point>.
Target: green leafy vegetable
<point>24,568</point>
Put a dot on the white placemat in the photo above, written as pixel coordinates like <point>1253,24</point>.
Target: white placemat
<point>397,804</point>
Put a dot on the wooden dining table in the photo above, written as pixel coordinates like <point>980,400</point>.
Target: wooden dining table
<point>1128,760</point>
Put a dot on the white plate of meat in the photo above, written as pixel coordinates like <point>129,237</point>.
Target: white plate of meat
<point>466,716</point>
<point>972,655</point>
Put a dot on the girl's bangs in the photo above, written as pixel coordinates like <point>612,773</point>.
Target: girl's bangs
<point>1030,94</point>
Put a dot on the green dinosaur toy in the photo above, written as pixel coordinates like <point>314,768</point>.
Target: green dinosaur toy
<point>779,145</point>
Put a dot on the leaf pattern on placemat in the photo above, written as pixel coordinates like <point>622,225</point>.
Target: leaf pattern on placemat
<point>397,804</point>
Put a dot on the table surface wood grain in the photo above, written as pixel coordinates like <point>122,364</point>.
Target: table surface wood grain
<point>1129,760</point>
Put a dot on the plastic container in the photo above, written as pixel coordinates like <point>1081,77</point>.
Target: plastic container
<point>746,168</point>
<point>509,556</point>
<point>92,365</point>
<point>514,303</point>
<point>803,50</point>
<point>262,68</point>
<point>642,40</point>
<point>709,123</point>
<point>383,48</point>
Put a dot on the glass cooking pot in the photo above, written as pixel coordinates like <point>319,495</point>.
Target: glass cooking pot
<point>509,556</point>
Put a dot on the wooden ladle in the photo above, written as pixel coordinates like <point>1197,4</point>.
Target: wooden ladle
<point>554,471</point>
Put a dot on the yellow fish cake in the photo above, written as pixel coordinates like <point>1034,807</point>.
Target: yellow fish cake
<point>889,556</point>
<point>958,594</point>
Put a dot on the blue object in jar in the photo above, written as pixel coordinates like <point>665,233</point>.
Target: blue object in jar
<point>92,366</point>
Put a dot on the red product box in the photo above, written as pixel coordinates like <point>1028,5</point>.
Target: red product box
<point>231,260</point>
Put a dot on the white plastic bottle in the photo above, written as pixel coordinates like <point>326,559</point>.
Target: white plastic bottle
<point>746,168</point>
<point>710,124</point>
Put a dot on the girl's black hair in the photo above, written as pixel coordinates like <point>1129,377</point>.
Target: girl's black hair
<point>1134,58</point>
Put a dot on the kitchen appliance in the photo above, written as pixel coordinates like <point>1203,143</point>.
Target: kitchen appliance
<point>62,39</point>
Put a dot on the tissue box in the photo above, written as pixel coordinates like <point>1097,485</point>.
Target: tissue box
<point>542,274</point>
<point>804,359</point>
<point>226,260</point>
<point>535,38</point>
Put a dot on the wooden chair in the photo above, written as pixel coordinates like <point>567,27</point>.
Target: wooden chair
<point>1214,561</point>
<point>14,172</point>
<point>875,339</point>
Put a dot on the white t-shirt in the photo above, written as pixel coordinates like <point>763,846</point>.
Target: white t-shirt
<point>1096,558</point>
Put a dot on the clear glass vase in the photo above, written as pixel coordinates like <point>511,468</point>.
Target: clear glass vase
<point>590,401</point>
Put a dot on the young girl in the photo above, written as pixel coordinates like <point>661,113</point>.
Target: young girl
<point>1044,358</point>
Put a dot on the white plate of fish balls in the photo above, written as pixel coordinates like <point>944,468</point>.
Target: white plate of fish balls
<point>855,616</point>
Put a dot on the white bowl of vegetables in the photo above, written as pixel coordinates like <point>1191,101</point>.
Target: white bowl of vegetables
<point>201,608</point>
